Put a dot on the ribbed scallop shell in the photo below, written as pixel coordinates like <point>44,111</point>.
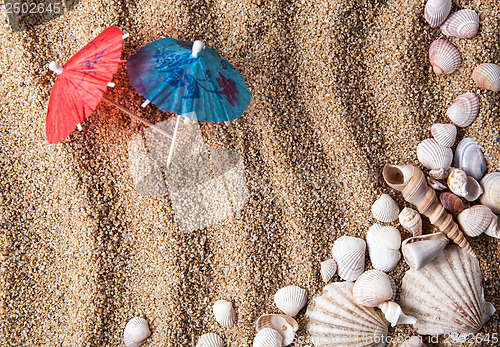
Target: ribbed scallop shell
<point>434,156</point>
<point>446,296</point>
<point>374,287</point>
<point>451,202</point>
<point>475,220</point>
<point>382,258</point>
<point>210,340</point>
<point>491,195</point>
<point>435,184</point>
<point>414,341</point>
<point>464,109</point>
<point>283,324</point>
<point>290,299</point>
<point>385,209</point>
<point>444,134</point>
<point>444,57</point>
<point>411,221</point>
<point>463,185</point>
<point>328,269</point>
<point>470,158</point>
<point>487,76</point>
<point>334,318</point>
<point>268,337</point>
<point>418,251</point>
<point>224,313</point>
<point>436,11</point>
<point>349,254</point>
<point>136,332</point>
<point>394,314</point>
<point>462,24</point>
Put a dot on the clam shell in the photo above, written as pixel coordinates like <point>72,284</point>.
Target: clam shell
<point>328,269</point>
<point>136,332</point>
<point>388,237</point>
<point>411,221</point>
<point>335,318</point>
<point>374,287</point>
<point>435,184</point>
<point>210,340</point>
<point>494,228</point>
<point>436,11</point>
<point>349,254</point>
<point>385,209</point>
<point>491,187</point>
<point>414,341</point>
<point>382,258</point>
<point>394,314</point>
<point>463,185</point>
<point>462,24</point>
<point>439,174</point>
<point>224,313</point>
<point>451,202</point>
<point>444,134</point>
<point>475,220</point>
<point>420,250</point>
<point>268,337</point>
<point>444,57</point>
<point>446,296</point>
<point>290,299</point>
<point>285,325</point>
<point>470,158</point>
<point>434,156</point>
<point>464,110</point>
<point>487,76</point>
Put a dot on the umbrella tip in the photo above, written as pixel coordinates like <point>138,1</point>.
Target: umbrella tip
<point>198,46</point>
<point>145,103</point>
<point>54,66</point>
<point>126,35</point>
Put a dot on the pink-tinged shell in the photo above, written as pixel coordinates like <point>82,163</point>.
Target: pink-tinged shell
<point>436,11</point>
<point>435,184</point>
<point>464,110</point>
<point>374,287</point>
<point>475,220</point>
<point>462,24</point>
<point>444,57</point>
<point>411,221</point>
<point>439,174</point>
<point>444,134</point>
<point>451,202</point>
<point>487,76</point>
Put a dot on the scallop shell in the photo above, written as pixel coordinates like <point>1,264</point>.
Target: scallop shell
<point>136,332</point>
<point>285,325</point>
<point>475,220</point>
<point>268,337</point>
<point>463,185</point>
<point>470,158</point>
<point>464,109</point>
<point>224,313</point>
<point>335,318</point>
<point>411,221</point>
<point>385,209</point>
<point>420,250</point>
<point>462,24</point>
<point>451,202</point>
<point>414,341</point>
<point>290,299</point>
<point>434,156</point>
<point>435,184</point>
<point>444,134</point>
<point>394,314</point>
<point>444,57</point>
<point>436,11</point>
<point>374,287</point>
<point>487,76</point>
<point>439,174</point>
<point>328,269</point>
<point>210,340</point>
<point>446,296</point>
<point>349,254</point>
<point>491,187</point>
<point>382,258</point>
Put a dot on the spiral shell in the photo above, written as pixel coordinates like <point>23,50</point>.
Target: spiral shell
<point>434,156</point>
<point>470,158</point>
<point>328,269</point>
<point>451,202</point>
<point>463,185</point>
<point>491,187</point>
<point>136,332</point>
<point>420,250</point>
<point>374,287</point>
<point>462,24</point>
<point>385,209</point>
<point>435,184</point>
<point>411,221</point>
<point>210,340</point>
<point>487,76</point>
<point>444,57</point>
<point>268,337</point>
<point>436,11</point>
<point>464,109</point>
<point>444,134</point>
<point>475,220</point>
<point>285,325</point>
<point>394,314</point>
<point>349,254</point>
<point>224,313</point>
<point>290,299</point>
<point>439,174</point>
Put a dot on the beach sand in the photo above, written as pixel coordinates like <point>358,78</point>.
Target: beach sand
<point>340,88</point>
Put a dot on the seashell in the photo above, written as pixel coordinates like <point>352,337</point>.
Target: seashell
<point>464,110</point>
<point>385,209</point>
<point>462,24</point>
<point>268,337</point>
<point>349,254</point>
<point>210,340</point>
<point>491,187</point>
<point>420,250</point>
<point>394,314</point>
<point>434,156</point>
<point>446,296</point>
<point>435,184</point>
<point>136,332</point>
<point>285,325</point>
<point>470,158</point>
<point>487,76</point>
<point>451,202</point>
<point>444,57</point>
<point>388,237</point>
<point>411,221</point>
<point>475,220</point>
<point>335,318</point>
<point>463,185</point>
<point>444,134</point>
<point>374,287</point>
<point>382,258</point>
<point>436,11</point>
<point>328,269</point>
<point>439,174</point>
<point>494,228</point>
<point>290,299</point>
<point>224,313</point>
<point>414,341</point>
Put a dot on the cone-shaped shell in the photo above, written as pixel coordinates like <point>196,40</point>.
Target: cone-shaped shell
<point>210,340</point>
<point>451,202</point>
<point>414,341</point>
<point>462,24</point>
<point>268,337</point>
<point>385,209</point>
<point>336,319</point>
<point>394,314</point>
<point>487,76</point>
<point>444,57</point>
<point>463,185</point>
<point>436,11</point>
<point>411,221</point>
<point>475,220</point>
<point>349,254</point>
<point>464,109</point>
<point>420,250</point>
<point>491,187</point>
<point>290,299</point>
<point>444,134</point>
<point>224,313</point>
<point>435,184</point>
<point>470,158</point>
<point>382,258</point>
<point>328,269</point>
<point>136,332</point>
<point>283,324</point>
<point>373,288</point>
<point>434,156</point>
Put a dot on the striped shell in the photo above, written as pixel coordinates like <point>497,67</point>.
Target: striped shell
<point>475,220</point>
<point>470,158</point>
<point>374,287</point>
<point>436,11</point>
<point>411,221</point>
<point>491,187</point>
<point>349,254</point>
<point>210,340</point>
<point>444,57</point>
<point>328,269</point>
<point>385,209</point>
<point>290,299</point>
<point>285,325</point>
<point>382,258</point>
<point>268,337</point>
<point>462,24</point>
<point>451,202</point>
<point>136,332</point>
<point>464,110</point>
<point>487,76</point>
<point>444,134</point>
<point>434,156</point>
<point>224,313</point>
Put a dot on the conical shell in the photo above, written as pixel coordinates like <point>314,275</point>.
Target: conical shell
<point>136,332</point>
<point>210,340</point>
<point>290,299</point>
<point>283,324</point>
<point>374,287</point>
<point>382,258</point>
<point>463,185</point>
<point>434,156</point>
<point>491,187</point>
<point>464,110</point>
<point>435,184</point>
<point>385,209</point>
<point>470,158</point>
<point>411,221</point>
<point>328,269</point>
<point>436,11</point>
<point>439,174</point>
<point>487,76</point>
<point>224,313</point>
<point>268,337</point>
<point>414,341</point>
<point>394,314</point>
<point>444,134</point>
<point>475,220</point>
<point>336,319</point>
<point>444,57</point>
<point>462,24</point>
<point>349,254</point>
<point>446,296</point>
<point>451,202</point>
<point>420,250</point>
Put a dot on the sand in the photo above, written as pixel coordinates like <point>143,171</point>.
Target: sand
<point>340,88</point>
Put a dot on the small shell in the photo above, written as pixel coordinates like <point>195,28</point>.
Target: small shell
<point>420,250</point>
<point>475,220</point>
<point>389,237</point>
<point>435,184</point>
<point>268,337</point>
<point>491,187</point>
<point>224,313</point>
<point>283,324</point>
<point>444,134</point>
<point>464,109</point>
<point>290,299</point>
<point>439,174</point>
<point>462,24</point>
<point>411,221</point>
<point>328,269</point>
<point>210,340</point>
<point>470,158</point>
<point>394,314</point>
<point>374,287</point>
<point>414,341</point>
<point>382,258</point>
<point>434,156</point>
<point>494,228</point>
<point>136,332</point>
<point>385,209</point>
<point>444,57</point>
<point>463,185</point>
<point>436,11</point>
<point>487,76</point>
<point>349,254</point>
<point>451,202</point>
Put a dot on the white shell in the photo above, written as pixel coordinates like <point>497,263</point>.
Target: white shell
<point>285,325</point>
<point>444,134</point>
<point>435,184</point>
<point>491,187</point>
<point>136,332</point>
<point>382,258</point>
<point>394,314</point>
<point>436,11</point>
<point>494,228</point>
<point>328,269</point>
<point>349,254</point>
<point>268,337</point>
<point>487,76</point>
<point>462,24</point>
<point>439,174</point>
<point>446,296</point>
<point>385,209</point>
<point>444,57</point>
<point>434,156</point>
<point>290,299</point>
<point>210,340</point>
<point>374,287</point>
<point>334,318</point>
<point>389,237</point>
<point>475,220</point>
<point>411,221</point>
<point>420,250</point>
<point>470,158</point>
<point>224,313</point>
<point>464,109</point>
<point>463,185</point>
<point>414,341</point>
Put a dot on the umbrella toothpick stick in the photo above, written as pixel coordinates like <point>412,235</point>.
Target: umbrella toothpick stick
<point>171,151</point>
